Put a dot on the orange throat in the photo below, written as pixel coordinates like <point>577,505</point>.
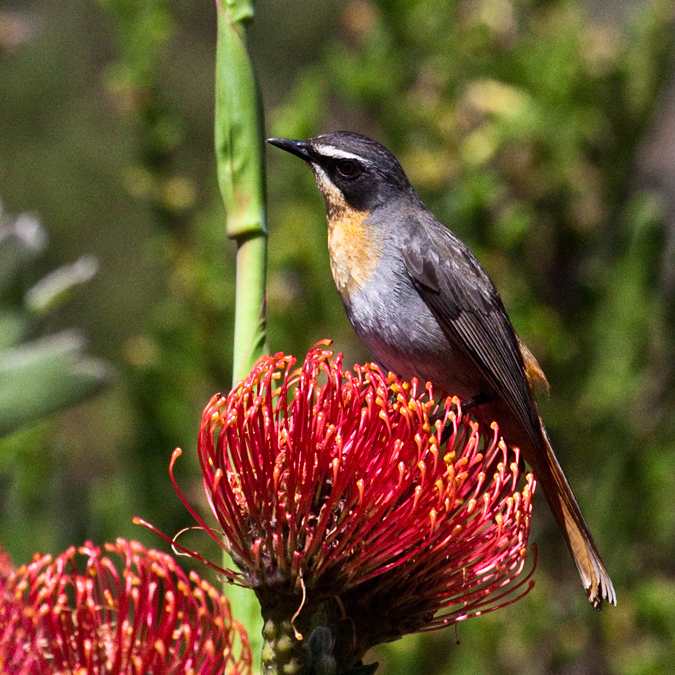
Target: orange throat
<point>353,253</point>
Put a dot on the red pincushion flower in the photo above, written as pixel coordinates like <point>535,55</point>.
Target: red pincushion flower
<point>141,616</point>
<point>331,485</point>
<point>6,565</point>
<point>16,627</point>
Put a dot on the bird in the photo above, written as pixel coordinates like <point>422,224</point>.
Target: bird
<point>424,306</point>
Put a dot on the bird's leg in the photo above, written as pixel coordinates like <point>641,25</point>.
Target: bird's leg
<point>478,399</point>
<point>474,401</point>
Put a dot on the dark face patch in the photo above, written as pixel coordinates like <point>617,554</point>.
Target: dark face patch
<point>364,171</point>
<point>354,180</point>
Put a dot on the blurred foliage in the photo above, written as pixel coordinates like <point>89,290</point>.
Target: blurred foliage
<point>518,121</point>
<point>38,375</point>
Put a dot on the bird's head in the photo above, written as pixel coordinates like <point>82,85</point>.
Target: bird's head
<point>353,172</point>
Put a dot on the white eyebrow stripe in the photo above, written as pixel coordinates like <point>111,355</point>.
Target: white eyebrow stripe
<point>330,151</point>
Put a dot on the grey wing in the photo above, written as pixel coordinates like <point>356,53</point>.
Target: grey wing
<point>468,308</point>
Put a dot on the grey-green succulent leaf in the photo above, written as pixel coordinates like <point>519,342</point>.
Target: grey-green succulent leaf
<point>48,374</point>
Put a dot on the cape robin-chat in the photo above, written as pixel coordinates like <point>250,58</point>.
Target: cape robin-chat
<point>425,307</point>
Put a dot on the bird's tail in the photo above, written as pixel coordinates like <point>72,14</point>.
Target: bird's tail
<point>559,495</point>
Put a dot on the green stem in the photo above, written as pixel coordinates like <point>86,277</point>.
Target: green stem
<point>282,652</point>
<point>239,145</point>
<point>239,141</point>
<point>250,325</point>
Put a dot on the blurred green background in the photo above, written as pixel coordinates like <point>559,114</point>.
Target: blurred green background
<point>526,125</point>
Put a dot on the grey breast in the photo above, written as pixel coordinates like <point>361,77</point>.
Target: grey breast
<point>402,334</point>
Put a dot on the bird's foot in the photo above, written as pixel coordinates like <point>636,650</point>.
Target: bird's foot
<point>474,401</point>
<point>478,399</point>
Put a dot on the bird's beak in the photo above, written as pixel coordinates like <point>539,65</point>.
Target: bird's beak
<point>298,148</point>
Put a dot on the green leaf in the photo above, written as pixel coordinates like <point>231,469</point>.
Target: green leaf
<point>58,285</point>
<point>13,328</point>
<point>46,375</point>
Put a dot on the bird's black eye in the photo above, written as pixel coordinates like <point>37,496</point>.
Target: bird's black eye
<point>348,168</point>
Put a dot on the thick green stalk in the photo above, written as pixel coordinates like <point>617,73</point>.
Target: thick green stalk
<point>241,177</point>
<point>239,143</point>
